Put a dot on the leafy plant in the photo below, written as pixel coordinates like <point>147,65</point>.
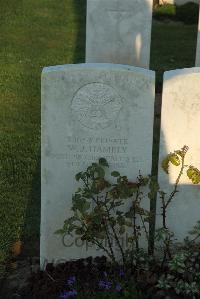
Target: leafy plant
<point>177,158</point>
<point>104,210</point>
<point>183,269</point>
<point>98,215</point>
<point>183,272</point>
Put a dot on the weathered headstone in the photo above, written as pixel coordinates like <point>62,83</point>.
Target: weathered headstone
<point>198,44</point>
<point>119,31</point>
<point>90,111</point>
<point>180,125</point>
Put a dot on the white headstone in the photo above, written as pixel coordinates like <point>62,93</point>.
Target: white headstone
<point>90,111</point>
<point>198,44</point>
<point>119,31</point>
<point>180,125</point>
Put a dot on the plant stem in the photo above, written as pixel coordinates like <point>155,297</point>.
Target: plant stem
<point>194,239</point>
<point>99,244</point>
<point>134,221</point>
<point>164,211</point>
<point>106,250</point>
<point>166,204</point>
<point>109,241</point>
<point>171,196</point>
<point>96,201</point>
<point>144,226</point>
<point>114,232</point>
<point>177,182</point>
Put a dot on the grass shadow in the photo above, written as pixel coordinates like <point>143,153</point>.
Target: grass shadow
<point>31,231</point>
<point>79,7</point>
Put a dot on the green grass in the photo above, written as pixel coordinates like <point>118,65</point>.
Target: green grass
<point>187,13</point>
<point>167,10</point>
<point>173,46</point>
<point>35,34</point>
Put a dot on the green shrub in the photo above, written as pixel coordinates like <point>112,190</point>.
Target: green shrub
<point>99,217</point>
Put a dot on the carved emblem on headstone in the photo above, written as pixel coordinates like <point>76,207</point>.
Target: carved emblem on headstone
<point>96,105</point>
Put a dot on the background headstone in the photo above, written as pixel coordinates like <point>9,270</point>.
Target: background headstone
<point>119,31</point>
<point>198,44</point>
<point>90,111</point>
<point>180,125</point>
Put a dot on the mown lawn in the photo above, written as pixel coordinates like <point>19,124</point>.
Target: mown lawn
<point>173,46</point>
<point>34,34</point>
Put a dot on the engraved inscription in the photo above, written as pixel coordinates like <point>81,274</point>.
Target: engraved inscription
<point>96,105</point>
<point>120,15</point>
<point>81,151</point>
<point>186,104</point>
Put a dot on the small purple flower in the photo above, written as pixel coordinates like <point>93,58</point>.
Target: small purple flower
<point>63,295</point>
<point>71,280</point>
<point>73,293</point>
<point>105,284</point>
<point>68,294</point>
<point>118,288</point>
<point>101,284</point>
<point>121,273</point>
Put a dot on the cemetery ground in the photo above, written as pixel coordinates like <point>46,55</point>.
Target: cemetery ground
<point>35,34</point>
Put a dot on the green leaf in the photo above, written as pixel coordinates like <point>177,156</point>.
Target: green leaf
<point>87,193</point>
<point>103,162</point>
<point>94,189</point>
<point>97,220</point>
<point>90,170</point>
<point>94,165</point>
<point>81,205</point>
<point>76,197</point>
<point>78,176</point>
<point>193,174</point>
<point>161,234</point>
<point>115,174</point>
<point>117,204</point>
<point>128,223</point>
<point>86,206</point>
<point>143,180</point>
<point>119,213</point>
<point>129,214</point>
<point>125,192</point>
<point>174,159</point>
<point>165,164</point>
<point>78,190</point>
<point>121,220</point>
<point>100,171</point>
<point>79,231</point>
<point>66,225</point>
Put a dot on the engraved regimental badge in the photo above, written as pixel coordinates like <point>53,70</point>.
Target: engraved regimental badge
<point>96,105</point>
